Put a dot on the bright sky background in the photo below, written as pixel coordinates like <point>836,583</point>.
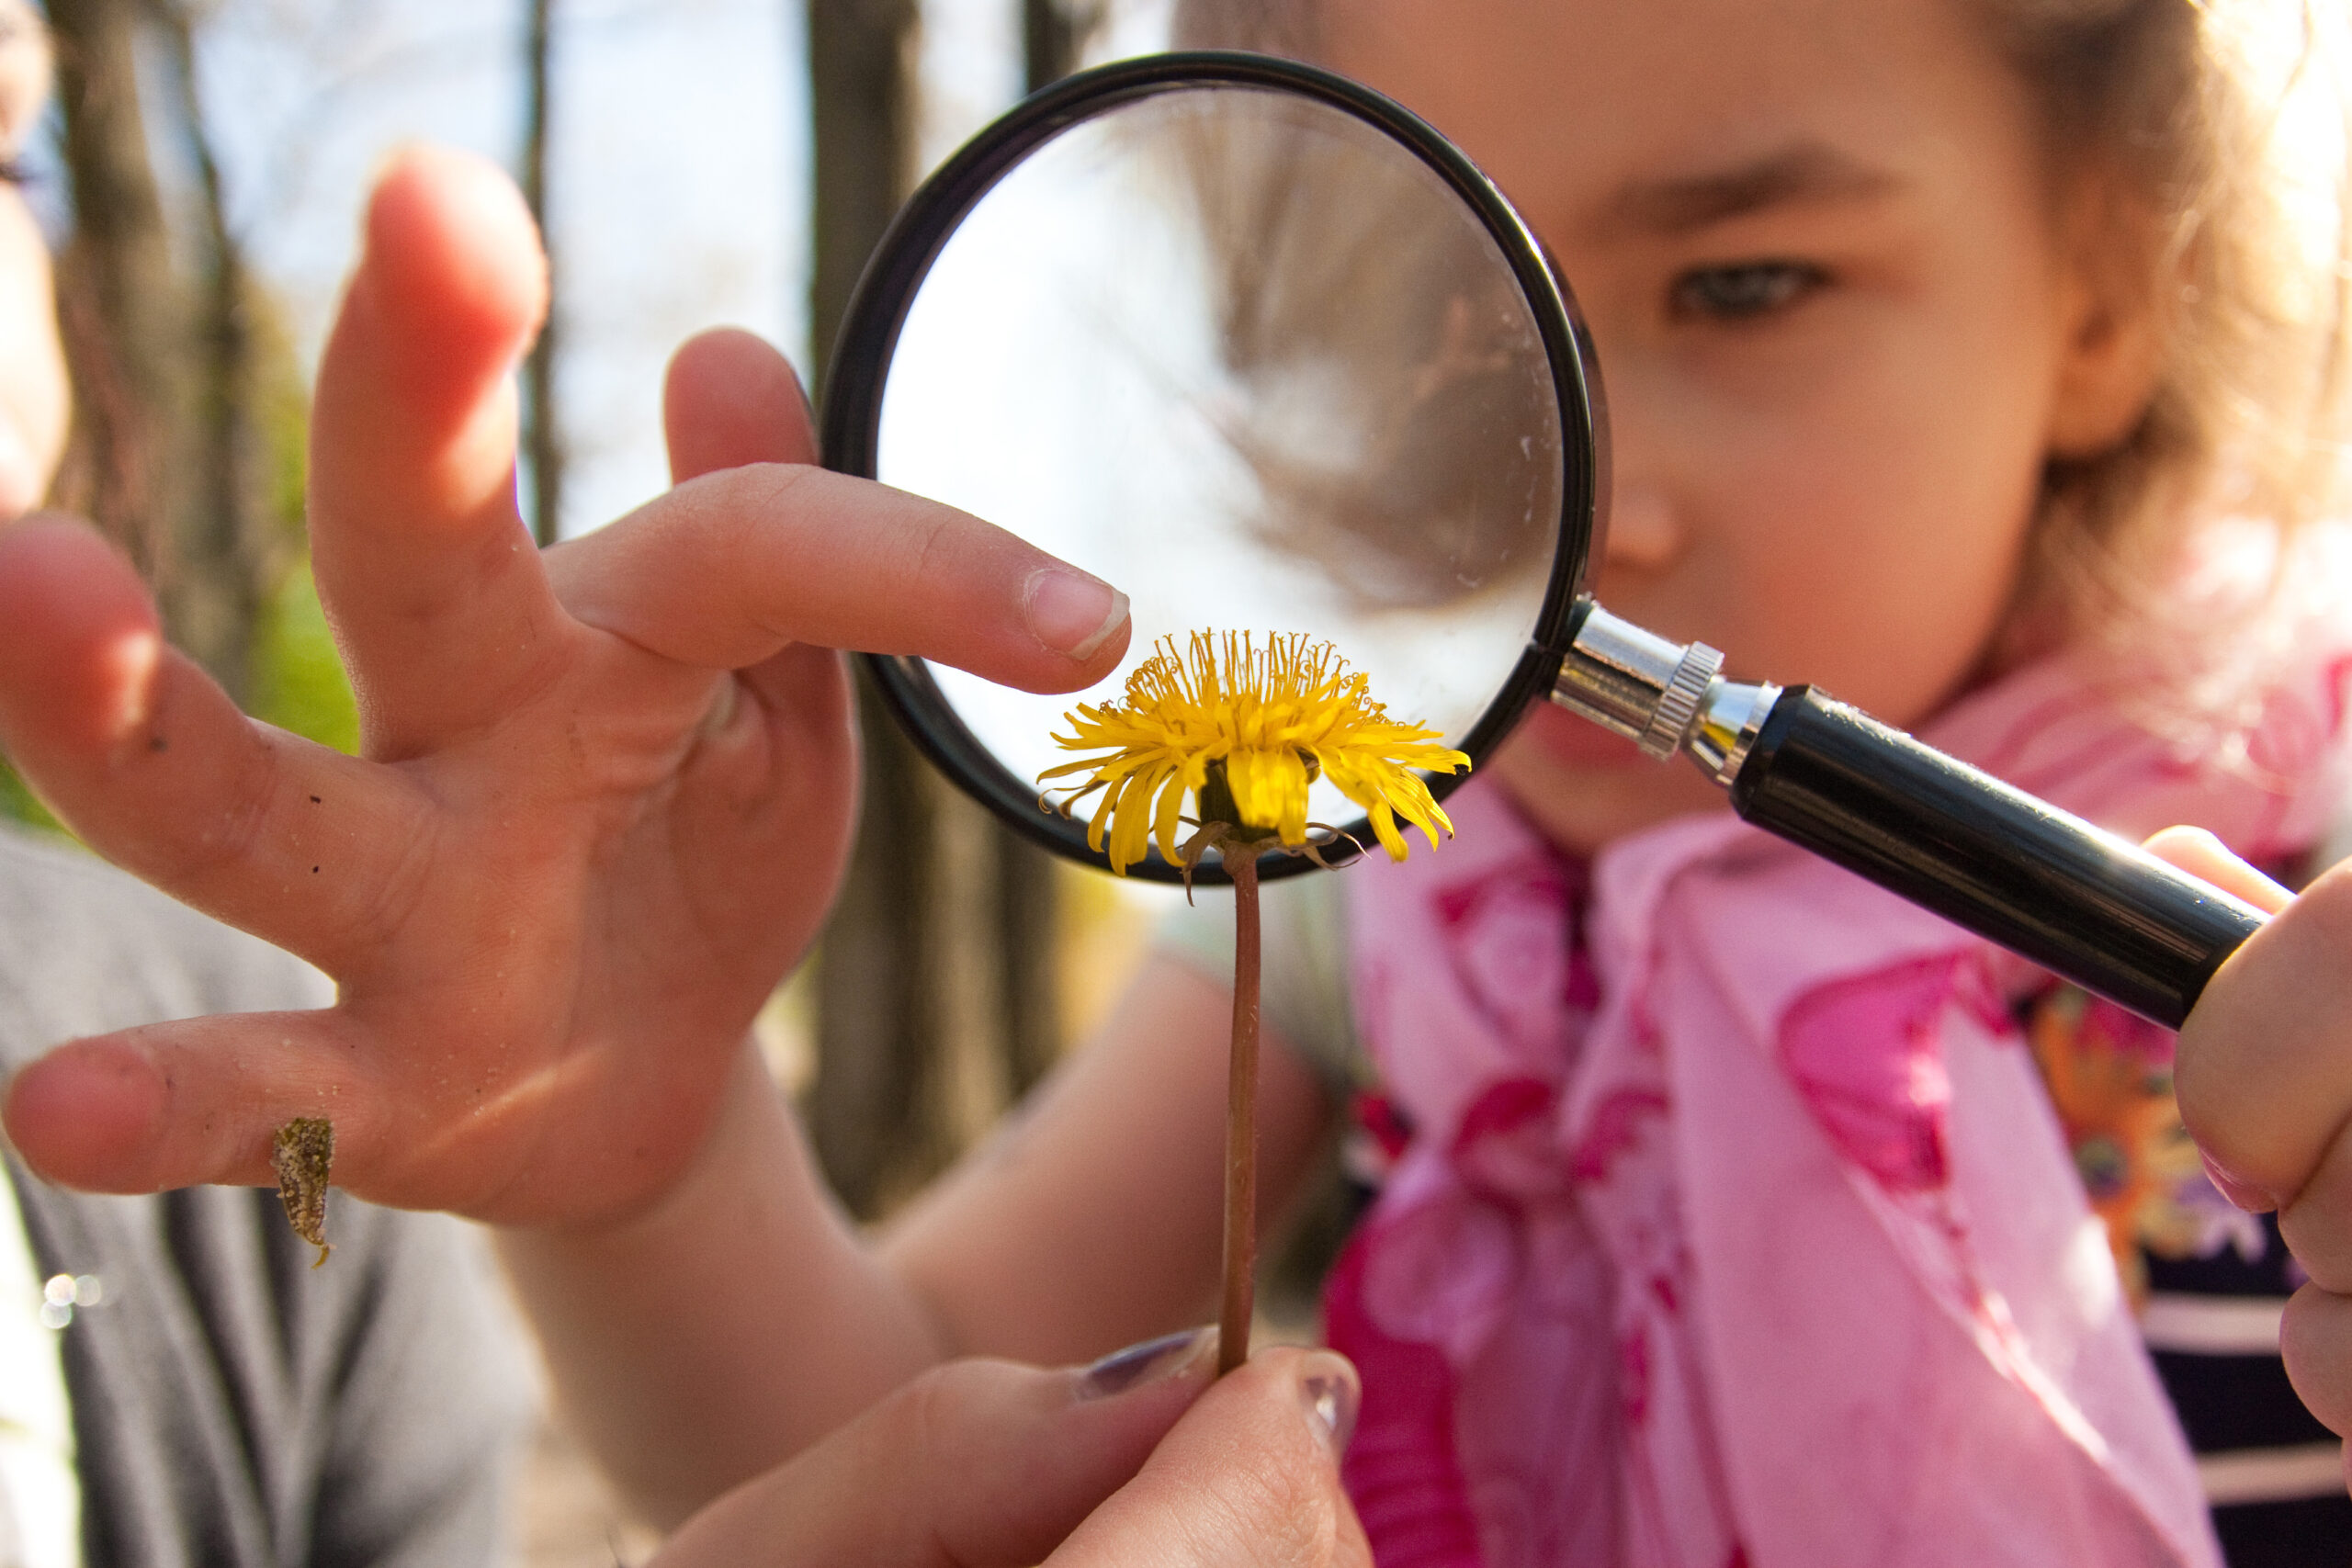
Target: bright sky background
<point>678,174</point>
<point>678,178</point>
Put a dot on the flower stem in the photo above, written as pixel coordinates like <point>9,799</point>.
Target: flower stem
<point>1242,1121</point>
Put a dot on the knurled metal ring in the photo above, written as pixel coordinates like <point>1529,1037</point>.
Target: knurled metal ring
<point>1672,718</point>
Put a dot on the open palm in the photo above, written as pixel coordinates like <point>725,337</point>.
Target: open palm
<point>605,792</point>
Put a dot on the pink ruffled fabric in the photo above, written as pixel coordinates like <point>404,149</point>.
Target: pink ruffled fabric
<point>1739,1233</point>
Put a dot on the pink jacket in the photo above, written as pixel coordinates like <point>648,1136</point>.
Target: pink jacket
<point>1758,1244</point>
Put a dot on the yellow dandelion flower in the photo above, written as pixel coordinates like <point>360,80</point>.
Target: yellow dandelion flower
<point>1243,728</point>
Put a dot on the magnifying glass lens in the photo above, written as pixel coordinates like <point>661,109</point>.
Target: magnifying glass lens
<point>1245,355</point>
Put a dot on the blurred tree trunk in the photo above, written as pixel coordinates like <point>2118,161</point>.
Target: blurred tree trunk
<point>1053,37</point>
<point>229,556</point>
<point>165,454</point>
<point>878,1002</point>
<point>862,100</point>
<point>937,995</point>
<point>118,298</point>
<point>543,427</point>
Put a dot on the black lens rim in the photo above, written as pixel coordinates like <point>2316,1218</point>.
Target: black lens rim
<point>854,383</point>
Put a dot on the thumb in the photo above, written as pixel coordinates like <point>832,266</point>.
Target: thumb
<point>730,400</point>
<point>2261,1071</point>
<point>1250,1478</point>
<point>975,1464</point>
<point>2203,856</point>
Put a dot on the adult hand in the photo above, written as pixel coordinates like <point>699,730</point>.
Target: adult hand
<point>2265,1079</point>
<point>605,792</point>
<point>984,1464</point>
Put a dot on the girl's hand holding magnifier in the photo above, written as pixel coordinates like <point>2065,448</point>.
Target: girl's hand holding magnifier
<point>606,791</point>
<point>2265,1078</point>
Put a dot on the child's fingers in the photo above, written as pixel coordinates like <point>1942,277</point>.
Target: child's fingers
<point>773,777</point>
<point>2317,1223</point>
<point>1250,1478</point>
<point>2316,1339</point>
<point>729,399</point>
<point>434,587</point>
<point>2264,1070</point>
<point>196,1102</point>
<point>2205,857</point>
<point>150,762</point>
<point>728,568</point>
<point>191,1103</point>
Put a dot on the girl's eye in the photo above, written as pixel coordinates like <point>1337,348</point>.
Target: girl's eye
<point>1742,292</point>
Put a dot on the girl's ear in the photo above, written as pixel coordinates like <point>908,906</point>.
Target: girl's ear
<point>2112,349</point>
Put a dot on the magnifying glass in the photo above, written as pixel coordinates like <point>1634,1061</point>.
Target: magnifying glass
<point>1263,348</point>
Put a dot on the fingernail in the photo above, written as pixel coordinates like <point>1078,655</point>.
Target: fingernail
<point>1072,612</point>
<point>2245,1194</point>
<point>1328,1387</point>
<point>1148,1362</point>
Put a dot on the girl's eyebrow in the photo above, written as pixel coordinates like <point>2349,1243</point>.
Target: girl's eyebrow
<point>1807,171</point>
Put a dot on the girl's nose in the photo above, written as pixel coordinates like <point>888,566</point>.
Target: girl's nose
<point>1644,535</point>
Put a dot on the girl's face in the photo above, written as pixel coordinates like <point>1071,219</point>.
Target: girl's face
<point>1839,335</point>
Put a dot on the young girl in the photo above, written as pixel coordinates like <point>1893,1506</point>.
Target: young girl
<point>1974,359</point>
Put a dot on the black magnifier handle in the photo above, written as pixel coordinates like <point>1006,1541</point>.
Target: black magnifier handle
<point>2073,898</point>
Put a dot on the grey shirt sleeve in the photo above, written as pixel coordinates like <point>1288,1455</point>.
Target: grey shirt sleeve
<point>1305,975</point>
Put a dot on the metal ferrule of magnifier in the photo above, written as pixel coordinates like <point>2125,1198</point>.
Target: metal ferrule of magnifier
<point>1664,696</point>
